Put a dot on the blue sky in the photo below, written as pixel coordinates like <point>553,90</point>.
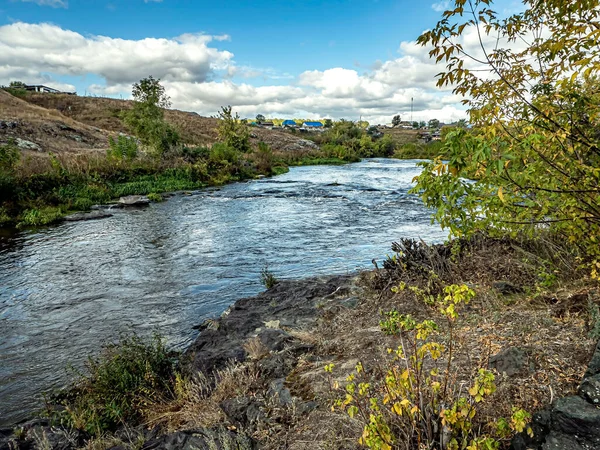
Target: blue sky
<point>311,58</point>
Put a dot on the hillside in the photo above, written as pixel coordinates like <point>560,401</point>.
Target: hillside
<point>49,129</point>
<point>102,114</point>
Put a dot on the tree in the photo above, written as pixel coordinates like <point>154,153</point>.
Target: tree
<point>462,123</point>
<point>327,123</point>
<point>433,123</point>
<point>260,118</point>
<point>396,120</point>
<point>17,85</point>
<point>146,118</point>
<point>422,124</point>
<point>415,124</point>
<point>535,111</point>
<point>232,132</point>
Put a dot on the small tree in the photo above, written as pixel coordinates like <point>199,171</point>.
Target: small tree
<point>146,118</point>
<point>232,131</point>
<point>415,124</point>
<point>396,120</point>
<point>260,118</point>
<point>433,123</point>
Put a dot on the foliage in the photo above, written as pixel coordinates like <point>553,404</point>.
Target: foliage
<point>267,278</point>
<point>9,158</point>
<point>146,118</point>
<point>533,154</point>
<point>232,132</point>
<point>117,386</point>
<point>154,197</point>
<point>260,118</point>
<point>39,217</point>
<point>411,403</point>
<point>123,148</point>
<point>411,150</point>
<point>433,123</point>
<point>396,120</point>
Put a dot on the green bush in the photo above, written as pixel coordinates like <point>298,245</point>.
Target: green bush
<point>154,197</point>
<point>118,386</point>
<point>39,217</point>
<point>123,148</point>
<point>267,278</point>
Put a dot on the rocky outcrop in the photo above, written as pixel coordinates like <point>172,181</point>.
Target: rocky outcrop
<point>286,306</point>
<point>571,423</point>
<point>134,200</point>
<point>91,215</point>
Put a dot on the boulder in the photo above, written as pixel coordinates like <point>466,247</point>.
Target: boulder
<point>589,390</point>
<point>507,288</point>
<point>575,416</point>
<point>511,361</point>
<point>92,215</point>
<point>27,145</point>
<point>134,200</point>
<point>201,439</point>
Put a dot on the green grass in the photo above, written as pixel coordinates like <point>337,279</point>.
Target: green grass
<point>420,151</point>
<point>309,161</point>
<point>117,386</point>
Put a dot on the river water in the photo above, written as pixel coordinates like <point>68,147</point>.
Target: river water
<point>66,289</point>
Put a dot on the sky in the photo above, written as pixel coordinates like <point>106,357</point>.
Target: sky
<point>334,59</point>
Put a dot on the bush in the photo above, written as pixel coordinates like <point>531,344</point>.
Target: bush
<point>38,217</point>
<point>118,387</point>
<point>411,400</point>
<point>123,148</point>
<point>154,197</point>
<point>267,278</point>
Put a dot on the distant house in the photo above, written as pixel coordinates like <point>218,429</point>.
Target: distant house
<point>312,125</point>
<point>45,89</point>
<point>289,123</point>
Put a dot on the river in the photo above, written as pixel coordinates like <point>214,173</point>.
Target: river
<point>66,289</point>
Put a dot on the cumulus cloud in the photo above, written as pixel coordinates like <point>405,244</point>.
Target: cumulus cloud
<point>199,77</point>
<point>49,48</point>
<point>441,6</point>
<point>52,3</point>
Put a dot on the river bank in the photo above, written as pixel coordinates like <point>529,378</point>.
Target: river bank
<point>266,373</point>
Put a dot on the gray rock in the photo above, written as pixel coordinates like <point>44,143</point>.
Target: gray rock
<point>243,411</point>
<point>278,390</point>
<point>92,215</point>
<point>202,439</point>
<point>589,389</point>
<point>574,416</point>
<point>594,365</point>
<point>511,361</point>
<point>27,145</point>
<point>557,441</point>
<point>134,200</point>
<point>507,288</point>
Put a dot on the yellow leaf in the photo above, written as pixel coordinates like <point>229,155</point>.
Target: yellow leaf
<point>501,194</point>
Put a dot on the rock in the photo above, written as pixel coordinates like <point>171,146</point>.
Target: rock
<point>507,288</point>
<point>243,411</point>
<point>201,439</point>
<point>27,145</point>
<point>8,124</point>
<point>278,390</point>
<point>92,215</point>
<point>557,441</point>
<point>134,200</point>
<point>511,361</point>
<point>574,416</point>
<point>291,302</point>
<point>589,390</point>
<point>594,365</point>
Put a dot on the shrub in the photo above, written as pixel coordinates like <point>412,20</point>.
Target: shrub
<point>118,386</point>
<point>267,278</point>
<point>123,148</point>
<point>38,217</point>
<point>411,400</point>
<point>154,197</point>
<point>232,132</point>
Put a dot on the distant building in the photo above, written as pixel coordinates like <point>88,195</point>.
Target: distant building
<point>289,123</point>
<point>312,125</point>
<point>45,89</point>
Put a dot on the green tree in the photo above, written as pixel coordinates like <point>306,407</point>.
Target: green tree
<point>415,124</point>
<point>232,132</point>
<point>260,118</point>
<point>533,151</point>
<point>146,118</point>
<point>327,123</point>
<point>433,123</point>
<point>17,85</point>
<point>396,120</point>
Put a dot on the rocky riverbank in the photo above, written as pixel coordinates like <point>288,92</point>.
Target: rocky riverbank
<point>255,376</point>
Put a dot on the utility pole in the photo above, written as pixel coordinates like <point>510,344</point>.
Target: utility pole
<point>411,109</point>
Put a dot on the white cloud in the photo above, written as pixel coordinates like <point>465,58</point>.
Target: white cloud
<point>201,78</point>
<point>52,3</point>
<point>441,6</point>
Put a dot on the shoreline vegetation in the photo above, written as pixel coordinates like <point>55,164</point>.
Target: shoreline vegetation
<point>153,158</point>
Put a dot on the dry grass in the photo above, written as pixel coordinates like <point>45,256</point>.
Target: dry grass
<point>255,348</point>
<point>198,398</point>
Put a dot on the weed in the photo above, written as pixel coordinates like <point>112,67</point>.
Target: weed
<point>118,386</point>
<point>154,197</point>
<point>40,217</point>
<point>267,278</point>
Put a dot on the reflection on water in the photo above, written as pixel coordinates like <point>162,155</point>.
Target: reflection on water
<point>66,289</point>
